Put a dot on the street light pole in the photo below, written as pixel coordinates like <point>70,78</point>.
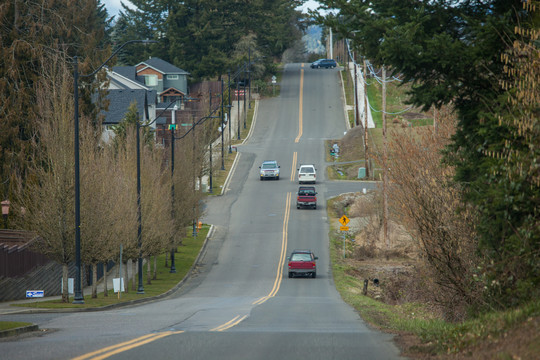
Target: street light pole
<point>229,110</point>
<point>244,92</point>
<point>78,298</point>
<point>173,128</point>
<point>249,77</point>
<point>238,100</point>
<point>222,130</point>
<point>140,289</point>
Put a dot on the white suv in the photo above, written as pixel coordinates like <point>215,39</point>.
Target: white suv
<point>307,174</point>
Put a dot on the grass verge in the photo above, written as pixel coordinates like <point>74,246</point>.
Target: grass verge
<point>8,325</point>
<point>184,259</point>
<point>511,334</point>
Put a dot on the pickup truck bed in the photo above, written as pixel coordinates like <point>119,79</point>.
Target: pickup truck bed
<point>307,197</point>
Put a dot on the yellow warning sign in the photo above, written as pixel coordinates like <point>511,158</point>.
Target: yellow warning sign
<point>344,228</point>
<point>344,220</point>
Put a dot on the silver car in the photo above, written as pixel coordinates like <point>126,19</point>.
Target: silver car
<point>269,170</point>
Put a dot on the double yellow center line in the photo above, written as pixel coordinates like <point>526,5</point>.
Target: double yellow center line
<point>229,324</point>
<point>282,257</point>
<point>125,346</point>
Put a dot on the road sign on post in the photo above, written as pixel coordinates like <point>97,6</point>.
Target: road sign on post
<point>344,220</point>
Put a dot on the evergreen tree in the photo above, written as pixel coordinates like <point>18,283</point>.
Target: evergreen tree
<point>199,35</point>
<point>451,52</point>
<point>27,31</point>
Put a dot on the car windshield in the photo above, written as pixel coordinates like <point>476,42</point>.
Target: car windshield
<point>307,170</point>
<point>306,192</point>
<point>301,257</point>
<point>268,166</point>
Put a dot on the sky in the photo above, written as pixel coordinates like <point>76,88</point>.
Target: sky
<point>114,6</point>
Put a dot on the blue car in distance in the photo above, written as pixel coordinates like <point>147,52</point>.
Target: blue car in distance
<point>324,63</point>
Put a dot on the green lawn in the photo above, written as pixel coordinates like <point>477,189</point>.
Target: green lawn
<point>8,325</point>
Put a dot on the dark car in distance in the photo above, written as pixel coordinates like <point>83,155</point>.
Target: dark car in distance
<point>324,63</point>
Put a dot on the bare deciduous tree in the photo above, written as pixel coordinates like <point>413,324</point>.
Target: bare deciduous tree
<point>426,200</point>
<point>45,202</point>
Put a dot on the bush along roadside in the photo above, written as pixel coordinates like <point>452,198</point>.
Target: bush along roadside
<point>421,331</point>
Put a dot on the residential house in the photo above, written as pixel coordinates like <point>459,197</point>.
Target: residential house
<point>153,84</point>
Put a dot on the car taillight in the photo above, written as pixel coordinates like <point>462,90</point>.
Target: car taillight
<point>289,264</point>
<point>313,264</point>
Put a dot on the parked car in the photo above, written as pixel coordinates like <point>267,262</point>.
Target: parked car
<point>307,197</point>
<point>324,63</point>
<point>307,174</point>
<point>269,170</point>
<point>302,262</point>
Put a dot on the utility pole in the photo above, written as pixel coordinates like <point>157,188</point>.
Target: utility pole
<point>356,108</point>
<point>210,190</point>
<point>385,165</point>
<point>244,94</point>
<point>331,51</point>
<point>222,129</point>
<point>366,140</point>
<point>229,106</point>
<point>238,103</point>
<point>435,113</point>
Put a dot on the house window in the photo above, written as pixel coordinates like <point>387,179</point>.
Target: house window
<point>172,77</point>
<point>150,80</point>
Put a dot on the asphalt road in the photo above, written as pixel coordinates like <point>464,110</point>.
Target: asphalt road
<point>240,304</point>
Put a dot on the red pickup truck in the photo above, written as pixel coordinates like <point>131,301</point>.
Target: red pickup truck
<point>306,197</point>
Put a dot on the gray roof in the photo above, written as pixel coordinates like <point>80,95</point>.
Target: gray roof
<point>129,72</point>
<point>163,67</point>
<point>120,101</point>
<point>126,71</point>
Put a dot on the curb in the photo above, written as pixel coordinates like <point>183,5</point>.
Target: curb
<point>237,157</point>
<point>19,330</point>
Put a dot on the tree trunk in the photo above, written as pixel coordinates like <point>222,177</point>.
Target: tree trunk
<point>155,268</point>
<point>126,277</point>
<point>94,281</point>
<point>65,289</point>
<point>148,272</point>
<point>83,269</point>
<point>134,272</point>
<point>105,289</point>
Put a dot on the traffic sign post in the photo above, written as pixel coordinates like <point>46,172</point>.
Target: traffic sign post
<point>344,220</point>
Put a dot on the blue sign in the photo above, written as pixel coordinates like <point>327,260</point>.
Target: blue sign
<point>35,293</point>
